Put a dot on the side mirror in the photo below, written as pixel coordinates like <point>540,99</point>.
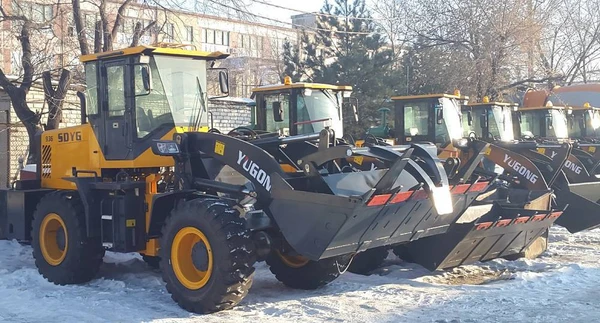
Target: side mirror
<point>440,116</point>
<point>582,123</point>
<point>277,111</point>
<point>146,78</point>
<point>484,121</point>
<point>355,112</point>
<point>224,82</point>
<point>469,118</point>
<point>519,117</point>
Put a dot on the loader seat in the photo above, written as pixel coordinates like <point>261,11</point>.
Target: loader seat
<point>144,126</point>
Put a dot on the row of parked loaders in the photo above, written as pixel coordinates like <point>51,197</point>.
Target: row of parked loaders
<point>144,173</point>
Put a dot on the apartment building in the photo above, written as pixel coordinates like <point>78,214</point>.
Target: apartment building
<point>255,48</point>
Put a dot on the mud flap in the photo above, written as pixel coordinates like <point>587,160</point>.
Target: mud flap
<point>490,236</point>
<point>582,213</point>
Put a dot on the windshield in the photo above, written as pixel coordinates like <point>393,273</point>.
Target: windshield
<point>451,127</point>
<point>584,124</point>
<point>499,123</point>
<point>178,94</point>
<point>316,109</point>
<point>554,122</point>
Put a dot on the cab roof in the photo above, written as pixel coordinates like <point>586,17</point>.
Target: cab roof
<point>502,104</point>
<point>150,50</point>
<point>555,107</point>
<point>429,96</point>
<point>300,85</point>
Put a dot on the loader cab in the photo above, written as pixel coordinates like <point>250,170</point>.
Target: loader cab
<point>299,108</point>
<point>548,122</point>
<point>137,95</point>
<point>489,121</point>
<point>429,118</point>
<point>585,123</point>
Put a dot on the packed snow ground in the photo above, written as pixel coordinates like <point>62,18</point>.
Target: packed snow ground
<point>562,285</point>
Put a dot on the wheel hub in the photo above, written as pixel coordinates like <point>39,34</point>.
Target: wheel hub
<point>61,238</point>
<point>200,256</point>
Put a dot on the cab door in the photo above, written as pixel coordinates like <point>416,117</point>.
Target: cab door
<point>116,109</point>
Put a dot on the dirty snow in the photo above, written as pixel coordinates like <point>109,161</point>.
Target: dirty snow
<point>562,285</point>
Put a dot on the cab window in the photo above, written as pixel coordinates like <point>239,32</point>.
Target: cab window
<point>416,119</point>
<point>272,125</point>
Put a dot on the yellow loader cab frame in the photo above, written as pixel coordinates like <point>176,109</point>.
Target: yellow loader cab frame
<point>134,96</point>
<point>548,122</point>
<point>299,108</point>
<point>430,118</point>
<point>489,121</point>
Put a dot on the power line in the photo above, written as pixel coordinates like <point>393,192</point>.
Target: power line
<point>288,23</point>
<point>315,13</point>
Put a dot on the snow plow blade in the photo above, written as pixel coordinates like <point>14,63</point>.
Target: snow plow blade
<point>503,230</point>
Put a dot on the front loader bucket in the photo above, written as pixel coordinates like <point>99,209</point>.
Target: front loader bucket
<point>368,209</point>
<point>484,232</point>
<point>582,208</point>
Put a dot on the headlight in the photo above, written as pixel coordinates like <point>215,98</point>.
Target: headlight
<point>165,148</point>
<point>462,142</point>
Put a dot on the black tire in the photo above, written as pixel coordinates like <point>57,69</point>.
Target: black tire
<point>535,249</point>
<point>232,253</point>
<point>152,261</point>
<point>368,260</point>
<point>83,255</point>
<point>308,276</point>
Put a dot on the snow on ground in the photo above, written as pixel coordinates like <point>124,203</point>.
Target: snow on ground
<point>562,285</point>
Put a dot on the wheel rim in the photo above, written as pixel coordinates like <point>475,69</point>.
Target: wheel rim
<point>181,258</point>
<point>293,261</point>
<point>50,229</point>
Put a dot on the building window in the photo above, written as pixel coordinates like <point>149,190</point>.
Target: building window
<point>189,33</point>
<point>246,41</point>
<point>226,38</point>
<point>210,36</point>
<point>169,31</point>
<point>34,11</point>
<point>219,37</point>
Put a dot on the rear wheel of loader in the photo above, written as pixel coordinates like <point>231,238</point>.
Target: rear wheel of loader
<point>301,273</point>
<point>535,249</point>
<point>63,253</point>
<point>208,256</point>
<point>368,260</point>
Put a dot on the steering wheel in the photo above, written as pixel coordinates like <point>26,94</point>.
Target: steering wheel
<point>472,135</point>
<point>214,130</point>
<point>243,131</point>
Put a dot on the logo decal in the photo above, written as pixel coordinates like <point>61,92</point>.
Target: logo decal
<point>254,170</point>
<point>522,170</point>
<point>573,167</point>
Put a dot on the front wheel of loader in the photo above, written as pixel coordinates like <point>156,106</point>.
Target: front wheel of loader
<point>301,273</point>
<point>63,253</point>
<point>368,260</point>
<point>207,256</point>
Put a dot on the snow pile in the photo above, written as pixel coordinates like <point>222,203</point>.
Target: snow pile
<point>562,285</point>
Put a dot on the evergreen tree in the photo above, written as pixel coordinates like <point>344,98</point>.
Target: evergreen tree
<point>347,51</point>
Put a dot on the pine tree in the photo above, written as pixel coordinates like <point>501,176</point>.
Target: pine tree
<point>349,51</point>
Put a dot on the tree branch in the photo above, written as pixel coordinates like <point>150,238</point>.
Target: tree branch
<point>28,69</point>
<point>119,19</point>
<point>79,28</point>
